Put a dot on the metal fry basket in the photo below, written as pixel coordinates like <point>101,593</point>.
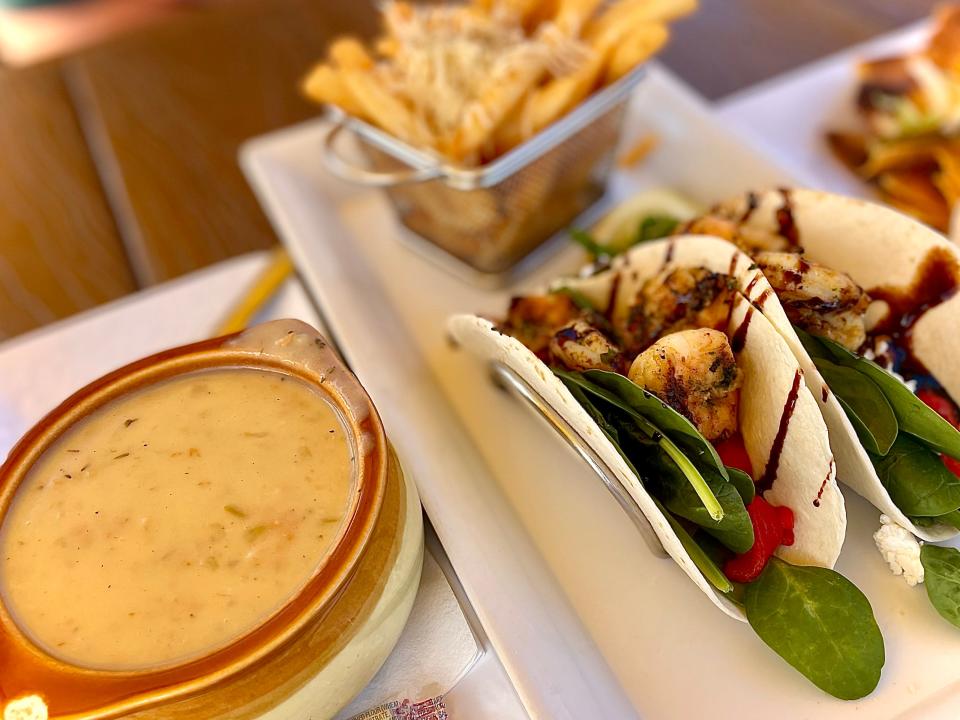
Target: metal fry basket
<point>492,216</point>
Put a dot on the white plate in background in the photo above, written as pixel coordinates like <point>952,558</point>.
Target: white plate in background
<point>786,116</point>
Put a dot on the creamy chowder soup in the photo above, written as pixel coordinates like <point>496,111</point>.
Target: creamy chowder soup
<point>176,519</point>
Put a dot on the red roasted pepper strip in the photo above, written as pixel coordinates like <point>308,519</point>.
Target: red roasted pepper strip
<point>940,404</point>
<point>945,408</point>
<point>772,527</point>
<point>733,453</point>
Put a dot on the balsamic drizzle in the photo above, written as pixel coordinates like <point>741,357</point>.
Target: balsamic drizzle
<point>752,202</point>
<point>823,485</point>
<point>773,463</point>
<point>785,220</point>
<point>612,300</point>
<point>739,338</point>
<point>937,280</point>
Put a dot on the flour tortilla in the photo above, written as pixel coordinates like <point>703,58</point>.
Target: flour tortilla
<point>876,246</point>
<point>806,471</point>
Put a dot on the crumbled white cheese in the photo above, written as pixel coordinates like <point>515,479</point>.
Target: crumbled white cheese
<point>900,549</point>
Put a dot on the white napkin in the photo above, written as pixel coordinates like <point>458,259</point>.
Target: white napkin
<point>436,649</point>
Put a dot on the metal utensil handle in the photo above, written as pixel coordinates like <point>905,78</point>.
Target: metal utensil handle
<point>344,170</point>
<point>506,378</point>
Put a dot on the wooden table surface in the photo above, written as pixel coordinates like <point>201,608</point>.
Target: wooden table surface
<point>118,167</point>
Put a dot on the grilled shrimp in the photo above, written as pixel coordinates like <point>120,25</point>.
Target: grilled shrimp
<point>749,239</point>
<point>581,346</point>
<point>695,373</point>
<point>676,300</point>
<point>816,298</point>
<point>533,319</point>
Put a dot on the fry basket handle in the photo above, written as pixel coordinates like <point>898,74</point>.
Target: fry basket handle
<point>345,170</point>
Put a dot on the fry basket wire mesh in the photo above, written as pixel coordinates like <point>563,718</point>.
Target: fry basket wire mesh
<point>492,216</point>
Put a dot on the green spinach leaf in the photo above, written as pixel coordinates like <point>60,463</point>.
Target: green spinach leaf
<point>913,415</point>
<point>735,530</point>
<point>870,442</point>
<point>917,480</point>
<point>811,343</point>
<point>865,405</point>
<point>701,559</point>
<point>941,578</point>
<point>654,227</point>
<point>653,432</point>
<point>665,478</point>
<point>665,481</point>
<point>649,227</point>
<point>676,426</point>
<point>704,563</point>
<point>588,243</point>
<point>576,379</point>
<point>598,417</point>
<point>951,518</point>
<point>743,483</point>
<point>819,622</point>
<point>578,298</point>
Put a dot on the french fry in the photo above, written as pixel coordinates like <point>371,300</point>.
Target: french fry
<point>933,216</point>
<point>850,148</point>
<point>385,109</point>
<point>637,47</point>
<point>528,13</point>
<point>572,15</point>
<point>524,10</point>
<point>325,85</point>
<point>637,12</point>
<point>914,192</point>
<point>546,11</point>
<point>485,6</point>
<point>387,46</point>
<point>519,66</point>
<point>348,53</point>
<point>885,156</point>
<point>395,16</point>
<point>560,95</point>
<point>947,179</point>
<point>636,153</point>
<point>511,132</point>
<point>944,48</point>
<point>496,100</point>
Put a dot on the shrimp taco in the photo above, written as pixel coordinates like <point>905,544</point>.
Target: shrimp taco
<point>868,305</point>
<point>697,404</point>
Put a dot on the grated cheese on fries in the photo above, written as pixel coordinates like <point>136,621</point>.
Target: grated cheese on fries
<point>470,81</point>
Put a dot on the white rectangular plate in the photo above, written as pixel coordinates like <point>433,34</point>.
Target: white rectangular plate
<point>587,622</point>
<point>787,116</point>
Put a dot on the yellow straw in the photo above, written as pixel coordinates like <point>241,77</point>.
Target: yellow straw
<point>267,283</point>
